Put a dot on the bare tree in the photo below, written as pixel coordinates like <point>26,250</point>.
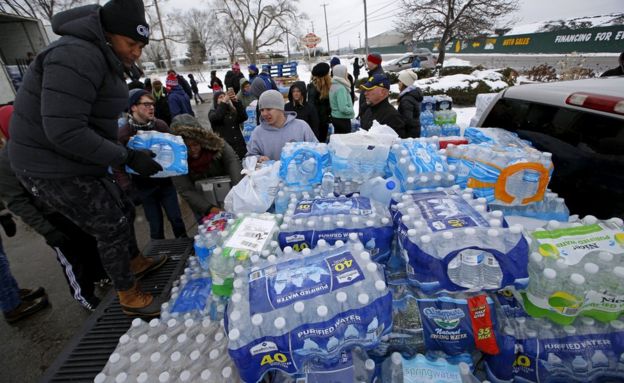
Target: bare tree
<point>225,39</point>
<point>155,52</point>
<point>452,18</point>
<point>38,9</point>
<point>258,23</point>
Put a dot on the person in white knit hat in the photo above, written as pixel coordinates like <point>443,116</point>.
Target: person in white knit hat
<point>410,97</point>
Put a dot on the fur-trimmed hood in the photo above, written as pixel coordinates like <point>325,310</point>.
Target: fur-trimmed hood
<point>206,139</point>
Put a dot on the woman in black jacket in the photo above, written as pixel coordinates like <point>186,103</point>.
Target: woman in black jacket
<point>318,96</point>
<point>410,97</point>
<point>298,103</point>
<point>225,119</point>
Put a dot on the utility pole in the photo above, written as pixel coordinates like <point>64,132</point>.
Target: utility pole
<point>326,31</point>
<point>312,24</point>
<point>360,40</point>
<point>162,33</point>
<point>287,46</point>
<point>365,29</point>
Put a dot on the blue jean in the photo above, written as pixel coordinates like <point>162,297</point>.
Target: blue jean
<point>9,291</point>
<point>154,200</point>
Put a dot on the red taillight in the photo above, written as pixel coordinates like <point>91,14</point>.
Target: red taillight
<point>609,104</point>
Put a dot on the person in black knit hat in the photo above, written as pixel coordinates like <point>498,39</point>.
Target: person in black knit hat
<point>64,135</point>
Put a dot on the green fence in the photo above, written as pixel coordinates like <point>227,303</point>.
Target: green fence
<point>599,39</point>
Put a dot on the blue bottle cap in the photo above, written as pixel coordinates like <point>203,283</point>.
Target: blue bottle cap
<point>390,185</point>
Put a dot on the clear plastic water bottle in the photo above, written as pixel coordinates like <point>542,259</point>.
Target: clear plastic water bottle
<point>328,183</point>
<point>470,272</point>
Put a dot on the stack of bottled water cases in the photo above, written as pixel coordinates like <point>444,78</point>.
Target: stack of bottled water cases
<point>250,123</point>
<point>171,351</point>
<point>169,149</point>
<point>209,235</point>
<point>359,156</point>
<point>449,241</point>
<point>418,164</point>
<point>536,350</point>
<point>330,219</point>
<point>552,207</point>
<point>577,269</point>
<point>250,237</point>
<point>303,163</point>
<point>296,308</point>
<point>495,136</point>
<point>437,117</point>
<point>505,175</point>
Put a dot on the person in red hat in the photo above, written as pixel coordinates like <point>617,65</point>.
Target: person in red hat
<point>373,64</point>
<point>233,77</point>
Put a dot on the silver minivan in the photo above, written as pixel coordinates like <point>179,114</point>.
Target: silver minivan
<point>407,60</point>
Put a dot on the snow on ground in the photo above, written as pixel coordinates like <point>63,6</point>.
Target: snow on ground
<point>493,79</point>
<point>454,61</point>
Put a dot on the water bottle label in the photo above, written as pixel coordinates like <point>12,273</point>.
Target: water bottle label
<point>445,211</point>
<point>326,340</point>
<point>251,234</point>
<point>170,150</point>
<point>586,357</point>
<point>333,206</point>
<point>301,279</point>
<point>449,326</point>
<point>573,243</point>
<point>193,296</point>
<point>422,370</point>
<point>327,371</point>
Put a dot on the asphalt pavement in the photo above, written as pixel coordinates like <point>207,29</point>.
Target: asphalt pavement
<point>30,346</point>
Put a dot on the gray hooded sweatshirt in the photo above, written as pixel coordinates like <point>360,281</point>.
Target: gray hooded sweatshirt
<point>267,140</point>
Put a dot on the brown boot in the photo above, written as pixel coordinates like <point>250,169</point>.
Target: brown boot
<point>26,308</point>
<point>135,302</point>
<point>142,265</point>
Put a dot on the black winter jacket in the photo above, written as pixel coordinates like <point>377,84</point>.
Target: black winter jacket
<point>323,109</point>
<point>362,101</point>
<point>232,80</point>
<point>409,109</point>
<point>305,112</point>
<point>65,118</point>
<point>385,114</point>
<point>186,87</point>
<point>226,123</point>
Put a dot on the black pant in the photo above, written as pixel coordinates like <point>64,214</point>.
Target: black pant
<point>102,210</point>
<point>341,125</point>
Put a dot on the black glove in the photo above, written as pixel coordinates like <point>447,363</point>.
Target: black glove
<point>6,220</point>
<point>56,238</point>
<point>141,162</point>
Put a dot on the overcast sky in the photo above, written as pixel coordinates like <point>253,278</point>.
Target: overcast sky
<point>345,18</point>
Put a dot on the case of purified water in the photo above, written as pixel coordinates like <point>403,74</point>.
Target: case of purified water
<point>169,149</point>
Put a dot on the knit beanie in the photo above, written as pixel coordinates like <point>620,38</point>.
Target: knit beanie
<point>172,81</point>
<point>375,58</point>
<point>215,97</point>
<point>407,77</point>
<point>253,68</point>
<point>184,120</point>
<point>236,66</point>
<point>320,70</point>
<point>127,18</point>
<point>334,61</point>
<point>271,99</point>
<point>135,95</point>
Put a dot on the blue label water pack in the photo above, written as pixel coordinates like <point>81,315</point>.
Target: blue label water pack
<point>450,242</point>
<point>193,297</point>
<point>170,151</point>
<point>335,218</point>
<point>302,163</point>
<point>293,310</point>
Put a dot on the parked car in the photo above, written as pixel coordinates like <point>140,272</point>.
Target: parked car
<point>405,62</point>
<point>581,123</point>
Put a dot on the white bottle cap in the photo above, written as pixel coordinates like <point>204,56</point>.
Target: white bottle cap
<point>238,283</point>
<point>618,271</point>
<point>299,307</point>
<point>536,257</point>
<point>182,338</point>
<point>447,234</point>
<point>605,256</point>
<point>305,252</point>
<point>497,214</point>
<point>365,255</point>
<point>205,375</point>
<point>172,322</point>
<point>195,354</point>
<point>412,232</point>
<point>288,250</point>
<point>385,221</point>
<point>114,358</point>
<point>570,330</point>
<point>591,268</point>
<point>206,322</point>
<point>235,315</point>
<point>587,321</point>
<point>322,310</point>
<point>617,324</point>
<point>100,378</point>
<point>369,364</point>
<point>272,258</point>
<point>341,297</point>
<point>125,338</point>
<point>214,354</point>
<point>257,319</point>
<point>589,220</point>
<point>380,285</point>
<point>339,243</point>
<point>176,356</point>
<point>492,233</point>
<point>121,377</point>
<point>155,357</point>
<point>239,269</point>
<point>142,378</point>
<point>185,376</point>
<point>279,323</point>
<point>135,357</point>
<point>353,236</point>
<point>226,372</point>
<point>531,333</point>
<point>218,336</point>
<point>236,297</point>
<point>371,267</point>
<point>234,334</point>
<point>363,298</point>
<point>577,279</point>
<point>425,238</point>
<point>549,273</point>
<point>470,231</point>
<point>189,323</point>
<point>396,358</point>
<point>464,369</point>
<point>164,377</point>
<point>321,242</point>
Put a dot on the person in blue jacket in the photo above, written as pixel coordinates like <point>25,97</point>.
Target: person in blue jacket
<point>179,101</point>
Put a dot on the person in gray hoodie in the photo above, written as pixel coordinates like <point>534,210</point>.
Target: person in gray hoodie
<point>276,128</point>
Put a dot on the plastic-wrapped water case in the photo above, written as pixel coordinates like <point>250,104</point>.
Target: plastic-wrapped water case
<point>495,136</point>
<point>449,241</point>
<point>293,309</point>
<point>418,164</point>
<point>506,175</point>
<point>170,151</point>
<point>577,269</point>
<point>302,163</point>
<point>338,218</point>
